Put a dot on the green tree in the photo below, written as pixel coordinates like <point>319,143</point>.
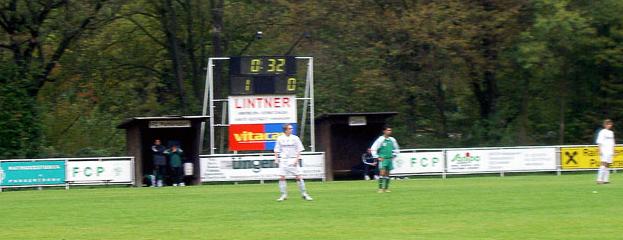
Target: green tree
<point>20,133</point>
<point>554,54</point>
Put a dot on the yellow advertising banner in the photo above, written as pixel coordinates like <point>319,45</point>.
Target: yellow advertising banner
<point>587,157</point>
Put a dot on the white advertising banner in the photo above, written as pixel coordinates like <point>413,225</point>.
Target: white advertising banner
<point>88,171</point>
<point>254,167</point>
<point>497,160</point>
<point>262,109</point>
<point>418,162</point>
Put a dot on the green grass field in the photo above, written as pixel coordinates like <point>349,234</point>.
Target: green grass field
<point>512,207</point>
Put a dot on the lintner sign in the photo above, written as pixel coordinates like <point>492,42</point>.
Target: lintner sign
<point>255,121</point>
<point>262,109</point>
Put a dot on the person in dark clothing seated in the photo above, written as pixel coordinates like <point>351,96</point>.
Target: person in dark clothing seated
<point>367,167</point>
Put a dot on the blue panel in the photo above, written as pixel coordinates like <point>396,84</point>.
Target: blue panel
<point>276,128</point>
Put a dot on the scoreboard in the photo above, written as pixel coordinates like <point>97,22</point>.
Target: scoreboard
<point>262,97</point>
<point>261,85</point>
<point>258,75</point>
<point>263,65</point>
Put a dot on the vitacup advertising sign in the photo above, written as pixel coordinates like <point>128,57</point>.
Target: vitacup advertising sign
<point>88,171</point>
<point>501,160</point>
<point>262,109</point>
<point>244,137</point>
<point>418,162</point>
<point>249,168</point>
<point>32,173</point>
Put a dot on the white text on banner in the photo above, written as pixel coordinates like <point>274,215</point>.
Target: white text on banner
<point>418,162</point>
<point>110,171</point>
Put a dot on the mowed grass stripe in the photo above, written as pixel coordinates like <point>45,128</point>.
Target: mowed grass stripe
<point>517,207</point>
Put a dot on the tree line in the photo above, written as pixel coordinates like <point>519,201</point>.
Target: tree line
<point>461,73</point>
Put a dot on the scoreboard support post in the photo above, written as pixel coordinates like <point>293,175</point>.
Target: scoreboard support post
<point>309,95</point>
<point>209,99</point>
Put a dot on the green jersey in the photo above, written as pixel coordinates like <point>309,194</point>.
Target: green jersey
<point>386,148</point>
<point>175,157</point>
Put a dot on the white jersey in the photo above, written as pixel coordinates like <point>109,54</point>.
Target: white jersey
<point>288,147</point>
<point>605,139</point>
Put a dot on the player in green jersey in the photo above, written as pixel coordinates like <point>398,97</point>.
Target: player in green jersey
<point>385,148</point>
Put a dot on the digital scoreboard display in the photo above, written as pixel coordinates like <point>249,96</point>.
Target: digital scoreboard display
<point>259,75</point>
<point>262,65</point>
<point>260,85</point>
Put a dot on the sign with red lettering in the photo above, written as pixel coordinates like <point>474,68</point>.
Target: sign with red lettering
<point>262,109</point>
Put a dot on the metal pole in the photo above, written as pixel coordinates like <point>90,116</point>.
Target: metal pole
<point>205,99</point>
<point>310,75</point>
<point>324,175</point>
<point>445,164</point>
<point>66,182</point>
<point>211,103</point>
<point>208,100</point>
<point>223,120</point>
<point>559,160</point>
<point>309,94</point>
<point>133,174</point>
<point>305,105</point>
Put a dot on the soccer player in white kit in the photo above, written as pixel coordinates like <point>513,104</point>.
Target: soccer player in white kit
<point>605,140</point>
<point>288,148</point>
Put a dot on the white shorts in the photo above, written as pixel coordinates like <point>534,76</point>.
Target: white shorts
<point>606,157</point>
<point>286,167</point>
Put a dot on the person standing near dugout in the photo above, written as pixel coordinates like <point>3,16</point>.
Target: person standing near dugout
<point>159,161</point>
<point>175,162</point>
<point>605,140</point>
<point>385,149</point>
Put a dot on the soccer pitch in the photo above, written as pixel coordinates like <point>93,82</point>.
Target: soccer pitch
<point>512,207</point>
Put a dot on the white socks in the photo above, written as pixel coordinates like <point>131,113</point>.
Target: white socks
<point>283,187</point>
<point>603,174</point>
<point>301,184</point>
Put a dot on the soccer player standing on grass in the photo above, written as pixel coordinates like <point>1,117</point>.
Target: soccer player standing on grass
<point>385,148</point>
<point>288,148</point>
<point>605,140</point>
